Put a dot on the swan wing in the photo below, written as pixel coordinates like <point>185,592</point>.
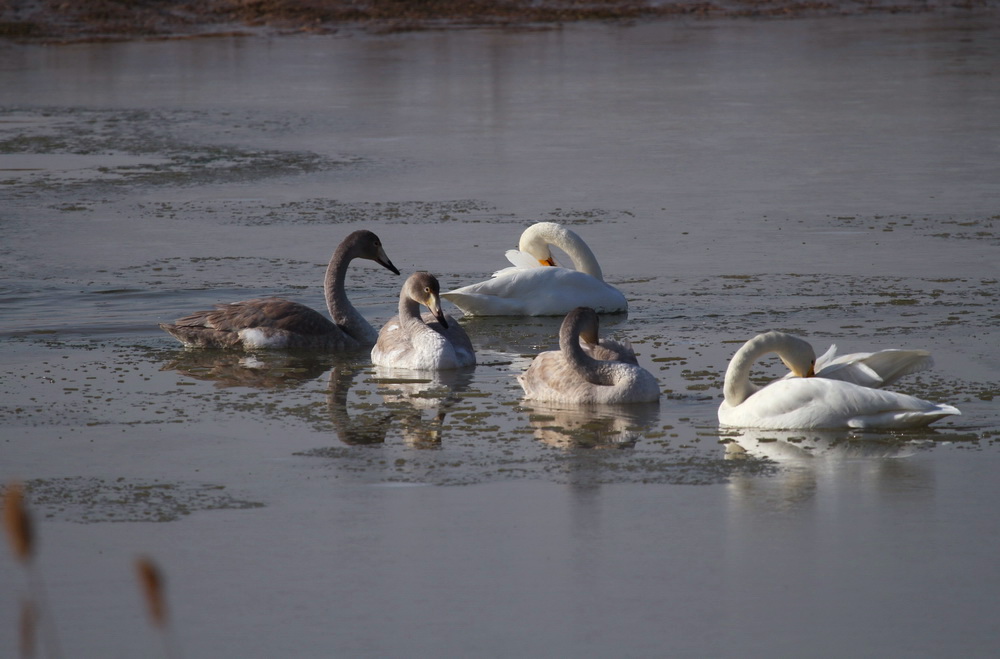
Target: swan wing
<point>521,261</point>
<point>272,312</point>
<point>870,369</point>
<point>541,291</point>
<point>260,323</point>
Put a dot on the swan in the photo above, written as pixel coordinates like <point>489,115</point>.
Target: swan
<point>569,375</point>
<point>433,342</point>
<point>870,369</point>
<point>812,402</point>
<point>273,322</point>
<point>536,286</point>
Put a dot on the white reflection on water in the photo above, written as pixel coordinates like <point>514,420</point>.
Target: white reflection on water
<point>811,463</point>
<point>594,427</point>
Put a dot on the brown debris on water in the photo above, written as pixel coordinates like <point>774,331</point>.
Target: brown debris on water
<point>55,21</point>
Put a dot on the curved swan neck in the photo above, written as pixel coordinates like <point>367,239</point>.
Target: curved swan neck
<point>336,274</point>
<point>738,387</point>
<point>409,309</point>
<point>585,366</point>
<point>542,234</point>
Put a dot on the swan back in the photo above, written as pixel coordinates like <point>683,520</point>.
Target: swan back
<point>434,341</point>
<point>805,403</point>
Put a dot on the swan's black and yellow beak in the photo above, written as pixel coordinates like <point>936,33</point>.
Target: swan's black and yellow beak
<point>383,260</point>
<point>548,261</point>
<point>434,304</point>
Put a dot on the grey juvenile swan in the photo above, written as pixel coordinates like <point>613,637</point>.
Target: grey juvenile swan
<point>570,375</point>
<point>274,322</point>
<point>432,342</point>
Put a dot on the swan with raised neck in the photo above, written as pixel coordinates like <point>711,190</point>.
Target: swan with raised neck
<point>274,322</point>
<point>434,341</point>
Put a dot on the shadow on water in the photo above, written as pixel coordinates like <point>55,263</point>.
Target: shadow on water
<point>236,369</point>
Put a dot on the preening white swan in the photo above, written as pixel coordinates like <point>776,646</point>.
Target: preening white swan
<point>569,375</point>
<point>277,323</point>
<point>536,286</point>
<point>433,342</point>
<point>871,369</point>
<point>812,402</point>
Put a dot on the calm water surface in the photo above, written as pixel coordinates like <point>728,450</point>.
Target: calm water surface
<point>835,178</point>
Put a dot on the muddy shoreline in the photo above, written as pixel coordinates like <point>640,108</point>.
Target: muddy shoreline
<point>54,21</point>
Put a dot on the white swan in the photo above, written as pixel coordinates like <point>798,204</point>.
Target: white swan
<point>871,369</point>
<point>536,286</point>
<point>434,342</point>
<point>278,323</point>
<point>569,375</point>
<point>812,402</point>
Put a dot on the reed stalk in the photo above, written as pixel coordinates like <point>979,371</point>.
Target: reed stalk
<point>35,612</point>
<point>154,592</point>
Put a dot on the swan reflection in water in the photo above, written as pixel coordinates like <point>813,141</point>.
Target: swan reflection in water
<point>234,369</point>
<point>591,427</point>
<point>811,462</point>
<point>416,401</point>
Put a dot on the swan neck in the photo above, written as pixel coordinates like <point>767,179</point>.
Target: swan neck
<point>585,366</point>
<point>333,284</point>
<point>738,387</point>
<point>409,309</point>
<point>568,241</point>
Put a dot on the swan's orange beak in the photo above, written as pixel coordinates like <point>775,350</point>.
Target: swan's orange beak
<point>812,371</point>
<point>548,261</point>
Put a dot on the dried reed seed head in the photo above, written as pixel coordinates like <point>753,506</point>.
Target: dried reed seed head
<point>151,581</point>
<point>17,521</point>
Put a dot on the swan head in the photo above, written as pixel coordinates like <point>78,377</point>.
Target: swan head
<point>586,321</point>
<point>367,245</point>
<point>797,355</point>
<point>579,325</point>
<point>536,240</point>
<point>423,288</point>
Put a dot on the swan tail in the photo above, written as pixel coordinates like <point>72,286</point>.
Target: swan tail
<point>193,336</point>
<point>903,419</point>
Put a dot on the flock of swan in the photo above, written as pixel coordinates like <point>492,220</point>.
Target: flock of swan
<point>832,391</point>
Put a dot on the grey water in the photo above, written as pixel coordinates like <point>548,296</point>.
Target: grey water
<point>838,178</point>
